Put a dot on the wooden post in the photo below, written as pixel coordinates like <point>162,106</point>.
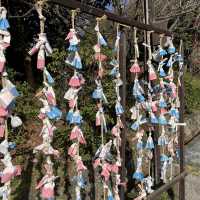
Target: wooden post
<point>122,65</point>
<point>182,134</point>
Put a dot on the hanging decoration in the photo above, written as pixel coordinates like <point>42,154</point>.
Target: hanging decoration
<point>156,105</point>
<point>73,116</point>
<point>103,157</point>
<point>119,110</point>
<point>8,95</point>
<point>49,113</point>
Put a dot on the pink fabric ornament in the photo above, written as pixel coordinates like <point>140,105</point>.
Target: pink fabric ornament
<point>115,168</point>
<point>10,172</point>
<point>2,130</point>
<point>76,133</point>
<point>72,151</point>
<point>163,111</point>
<point>3,112</point>
<point>106,169</point>
<point>72,103</point>
<point>135,68</point>
<point>80,166</point>
<point>71,34</point>
<point>41,58</point>
<point>41,116</point>
<point>100,57</point>
<point>97,48</point>
<point>74,81</point>
<point>96,163</point>
<point>152,74</point>
<point>116,131</point>
<point>2,61</point>
<point>98,119</point>
<point>154,106</point>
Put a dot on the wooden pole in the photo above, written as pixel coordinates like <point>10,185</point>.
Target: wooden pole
<point>122,64</point>
<point>182,134</point>
<point>73,4</point>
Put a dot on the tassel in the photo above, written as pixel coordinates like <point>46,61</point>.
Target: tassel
<point>135,68</point>
<point>41,58</point>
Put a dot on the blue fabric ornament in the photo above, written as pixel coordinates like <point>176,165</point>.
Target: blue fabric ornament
<point>140,98</point>
<point>49,77</point>
<point>164,158</point>
<point>135,126</point>
<point>76,118</point>
<point>139,176</point>
<point>110,195</point>
<point>102,40</point>
<point>77,62</point>
<point>118,108</point>
<point>69,115</point>
<point>170,62</point>
<point>80,181</point>
<point>174,113</point>
<point>14,92</point>
<point>171,49</point>
<point>162,140</point>
<point>162,72</point>
<point>4,24</point>
<point>162,103</point>
<point>54,113</point>
<point>72,48</point>
<point>150,143</point>
<point>139,145</point>
<point>162,52</point>
<point>162,120</point>
<point>12,145</point>
<point>97,93</point>
<point>114,71</point>
<point>153,118</point>
<point>114,62</point>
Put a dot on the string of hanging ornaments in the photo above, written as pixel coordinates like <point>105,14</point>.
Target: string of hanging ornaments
<point>119,110</point>
<point>49,113</point>
<point>8,95</point>
<point>159,106</point>
<point>73,116</point>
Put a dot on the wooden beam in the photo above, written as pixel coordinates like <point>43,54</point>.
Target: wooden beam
<point>156,194</point>
<point>72,4</point>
